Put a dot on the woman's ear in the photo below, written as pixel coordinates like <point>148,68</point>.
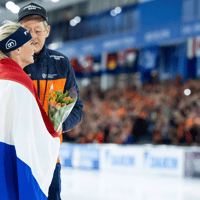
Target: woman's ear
<point>18,51</point>
<point>15,53</point>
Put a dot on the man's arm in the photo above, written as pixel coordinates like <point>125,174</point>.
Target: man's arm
<point>77,112</point>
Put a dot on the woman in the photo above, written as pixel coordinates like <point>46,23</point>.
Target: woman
<point>29,145</point>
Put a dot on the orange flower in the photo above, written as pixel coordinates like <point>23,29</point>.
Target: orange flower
<point>63,104</point>
<point>52,102</point>
<point>58,105</point>
<point>54,95</point>
<point>70,99</point>
<point>67,98</point>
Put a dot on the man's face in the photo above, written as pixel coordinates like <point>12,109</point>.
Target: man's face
<point>37,29</point>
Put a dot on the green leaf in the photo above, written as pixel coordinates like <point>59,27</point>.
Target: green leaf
<point>67,101</point>
<point>65,94</point>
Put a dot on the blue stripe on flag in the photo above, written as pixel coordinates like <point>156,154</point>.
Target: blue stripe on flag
<point>17,180</point>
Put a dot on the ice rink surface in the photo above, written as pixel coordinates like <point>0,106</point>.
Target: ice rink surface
<point>96,185</point>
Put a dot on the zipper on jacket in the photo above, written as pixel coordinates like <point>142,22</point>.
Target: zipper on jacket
<point>38,90</point>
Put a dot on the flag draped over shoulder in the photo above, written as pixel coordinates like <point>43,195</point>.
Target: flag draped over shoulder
<point>29,145</point>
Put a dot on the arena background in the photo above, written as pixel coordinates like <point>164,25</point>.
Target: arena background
<point>137,64</point>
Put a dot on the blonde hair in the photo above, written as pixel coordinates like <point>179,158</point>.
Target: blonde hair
<point>45,24</point>
<point>7,29</point>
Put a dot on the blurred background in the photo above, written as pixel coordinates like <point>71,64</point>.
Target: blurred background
<point>137,64</point>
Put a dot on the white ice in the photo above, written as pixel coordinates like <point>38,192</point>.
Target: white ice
<point>96,185</point>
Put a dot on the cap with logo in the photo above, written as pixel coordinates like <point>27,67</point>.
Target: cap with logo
<point>32,9</point>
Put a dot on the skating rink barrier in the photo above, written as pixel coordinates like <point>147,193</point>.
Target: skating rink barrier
<point>140,159</point>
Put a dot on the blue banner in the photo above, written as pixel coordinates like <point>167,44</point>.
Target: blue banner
<point>157,22</point>
<point>80,156</point>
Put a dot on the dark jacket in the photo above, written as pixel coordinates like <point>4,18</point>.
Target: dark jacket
<point>51,67</point>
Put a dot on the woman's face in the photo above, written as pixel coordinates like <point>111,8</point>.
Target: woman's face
<point>26,54</point>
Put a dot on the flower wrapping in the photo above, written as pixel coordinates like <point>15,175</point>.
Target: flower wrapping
<point>61,105</point>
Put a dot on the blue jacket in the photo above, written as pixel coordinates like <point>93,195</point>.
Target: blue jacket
<point>51,67</point>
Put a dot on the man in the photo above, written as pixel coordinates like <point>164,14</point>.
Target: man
<point>50,67</point>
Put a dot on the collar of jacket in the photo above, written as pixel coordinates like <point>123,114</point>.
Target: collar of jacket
<point>38,57</point>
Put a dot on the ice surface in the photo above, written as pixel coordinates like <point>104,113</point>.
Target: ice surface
<point>95,185</point>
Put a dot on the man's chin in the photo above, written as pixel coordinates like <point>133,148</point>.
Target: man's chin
<point>36,52</point>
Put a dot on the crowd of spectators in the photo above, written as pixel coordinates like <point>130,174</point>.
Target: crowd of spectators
<point>156,113</point>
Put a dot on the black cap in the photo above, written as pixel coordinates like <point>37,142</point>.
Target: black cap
<point>32,9</point>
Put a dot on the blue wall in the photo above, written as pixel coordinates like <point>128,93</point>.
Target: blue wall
<point>143,25</point>
<point>153,23</point>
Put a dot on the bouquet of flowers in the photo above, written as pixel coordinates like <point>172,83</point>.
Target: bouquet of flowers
<point>60,105</point>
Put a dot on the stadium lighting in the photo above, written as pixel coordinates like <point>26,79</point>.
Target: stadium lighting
<point>15,9</point>
<point>77,19</point>
<point>113,13</point>
<point>54,0</point>
<point>9,5</point>
<point>55,45</point>
<point>118,10</point>
<point>12,7</point>
<point>72,22</point>
<point>187,92</point>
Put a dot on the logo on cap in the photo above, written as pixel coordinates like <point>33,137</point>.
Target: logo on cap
<point>25,32</point>
<point>10,44</point>
<point>32,7</point>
